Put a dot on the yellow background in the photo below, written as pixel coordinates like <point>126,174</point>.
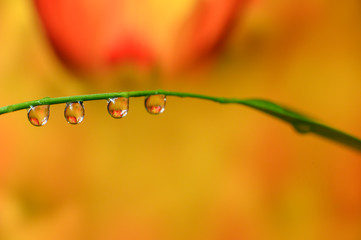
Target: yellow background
<point>200,170</point>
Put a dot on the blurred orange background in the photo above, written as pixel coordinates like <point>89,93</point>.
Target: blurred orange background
<point>200,170</point>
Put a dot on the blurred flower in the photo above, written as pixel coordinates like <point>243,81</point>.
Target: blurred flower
<point>96,35</point>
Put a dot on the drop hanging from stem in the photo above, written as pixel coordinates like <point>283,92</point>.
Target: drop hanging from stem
<point>38,116</point>
<point>74,112</point>
<point>300,122</point>
<point>118,107</point>
<point>155,104</point>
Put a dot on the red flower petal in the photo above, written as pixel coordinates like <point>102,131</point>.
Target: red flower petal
<point>94,35</point>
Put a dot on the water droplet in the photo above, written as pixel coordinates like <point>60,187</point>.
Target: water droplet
<point>302,127</point>
<point>74,112</point>
<point>118,107</point>
<point>38,115</point>
<point>155,104</point>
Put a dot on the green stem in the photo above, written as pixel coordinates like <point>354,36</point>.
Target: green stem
<point>300,122</point>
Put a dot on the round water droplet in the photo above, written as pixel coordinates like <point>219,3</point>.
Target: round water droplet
<point>74,112</point>
<point>38,115</point>
<point>155,104</point>
<point>302,127</point>
<point>118,107</point>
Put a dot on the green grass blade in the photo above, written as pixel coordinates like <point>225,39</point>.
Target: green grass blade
<point>300,122</point>
<point>303,124</point>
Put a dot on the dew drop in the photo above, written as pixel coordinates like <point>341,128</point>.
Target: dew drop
<point>155,104</point>
<point>302,127</point>
<point>38,115</point>
<point>74,112</point>
<point>118,107</point>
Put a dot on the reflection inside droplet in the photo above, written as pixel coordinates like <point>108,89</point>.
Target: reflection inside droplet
<point>155,104</point>
<point>118,107</point>
<point>38,115</point>
<point>74,112</point>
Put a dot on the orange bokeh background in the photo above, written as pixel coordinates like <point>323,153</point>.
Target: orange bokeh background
<point>200,170</point>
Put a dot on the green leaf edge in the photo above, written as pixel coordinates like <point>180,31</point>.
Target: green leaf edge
<point>300,122</point>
